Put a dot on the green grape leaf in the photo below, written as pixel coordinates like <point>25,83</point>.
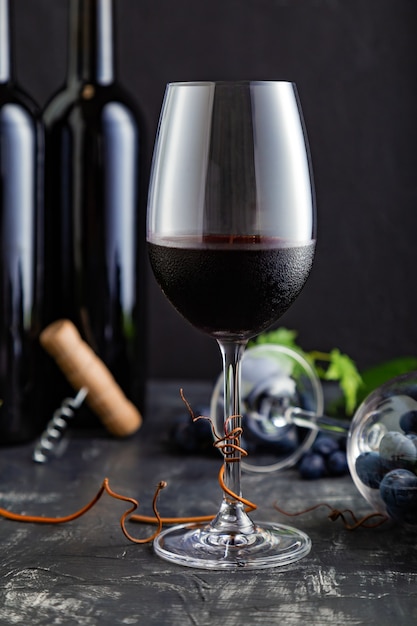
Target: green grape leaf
<point>343,369</point>
<point>338,367</point>
<point>333,366</point>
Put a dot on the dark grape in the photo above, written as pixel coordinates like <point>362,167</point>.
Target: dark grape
<point>398,490</point>
<point>325,445</point>
<point>370,469</point>
<point>312,466</point>
<point>202,427</point>
<point>408,422</point>
<point>337,463</point>
<point>342,442</point>
<point>192,437</point>
<point>326,458</point>
<point>182,436</point>
<point>397,451</point>
<point>332,452</point>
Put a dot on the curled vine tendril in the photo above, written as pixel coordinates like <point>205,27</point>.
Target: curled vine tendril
<point>229,442</point>
<point>105,488</point>
<point>335,514</point>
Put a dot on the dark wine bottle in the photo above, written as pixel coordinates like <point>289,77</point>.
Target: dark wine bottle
<point>20,266</point>
<point>94,206</point>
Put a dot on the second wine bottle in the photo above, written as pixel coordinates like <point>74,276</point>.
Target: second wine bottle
<point>94,213</point>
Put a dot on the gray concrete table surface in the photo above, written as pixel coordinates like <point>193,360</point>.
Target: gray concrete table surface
<point>87,573</point>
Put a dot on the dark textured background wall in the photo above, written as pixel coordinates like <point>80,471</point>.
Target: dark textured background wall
<point>354,62</point>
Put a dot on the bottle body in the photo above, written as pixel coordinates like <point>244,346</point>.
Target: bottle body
<point>94,251</point>
<point>21,279</point>
<point>21,141</point>
<point>94,217</point>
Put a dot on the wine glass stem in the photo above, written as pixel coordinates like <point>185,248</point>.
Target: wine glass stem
<point>232,352</point>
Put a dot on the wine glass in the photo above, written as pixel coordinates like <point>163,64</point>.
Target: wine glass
<point>282,405</point>
<point>231,238</point>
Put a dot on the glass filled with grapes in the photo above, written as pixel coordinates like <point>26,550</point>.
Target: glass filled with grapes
<point>231,231</point>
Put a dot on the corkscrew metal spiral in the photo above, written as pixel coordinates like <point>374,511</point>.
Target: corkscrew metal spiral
<point>56,427</point>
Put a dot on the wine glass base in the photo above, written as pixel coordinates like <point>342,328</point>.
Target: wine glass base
<point>198,545</point>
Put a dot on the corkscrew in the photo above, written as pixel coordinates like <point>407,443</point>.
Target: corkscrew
<point>93,382</point>
<point>83,368</point>
<point>54,432</point>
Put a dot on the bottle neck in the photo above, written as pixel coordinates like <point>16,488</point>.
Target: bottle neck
<point>5,61</point>
<point>91,42</point>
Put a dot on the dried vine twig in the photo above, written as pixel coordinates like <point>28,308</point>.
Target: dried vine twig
<point>105,488</point>
<point>335,514</point>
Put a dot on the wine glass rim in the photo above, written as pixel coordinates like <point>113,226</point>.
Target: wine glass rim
<point>209,83</point>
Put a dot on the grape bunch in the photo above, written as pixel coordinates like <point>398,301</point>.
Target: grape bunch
<point>327,457</point>
<point>392,470</point>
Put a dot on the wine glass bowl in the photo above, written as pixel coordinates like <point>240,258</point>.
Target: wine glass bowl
<point>382,449</point>
<point>230,167</point>
<point>277,383</point>
<point>231,238</point>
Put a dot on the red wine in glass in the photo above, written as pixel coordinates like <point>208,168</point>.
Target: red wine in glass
<point>231,286</point>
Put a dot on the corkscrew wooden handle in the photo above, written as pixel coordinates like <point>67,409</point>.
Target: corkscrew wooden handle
<point>83,368</point>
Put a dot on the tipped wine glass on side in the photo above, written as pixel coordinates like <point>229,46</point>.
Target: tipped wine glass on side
<point>231,231</point>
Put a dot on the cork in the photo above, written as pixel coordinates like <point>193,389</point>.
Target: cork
<point>83,368</point>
